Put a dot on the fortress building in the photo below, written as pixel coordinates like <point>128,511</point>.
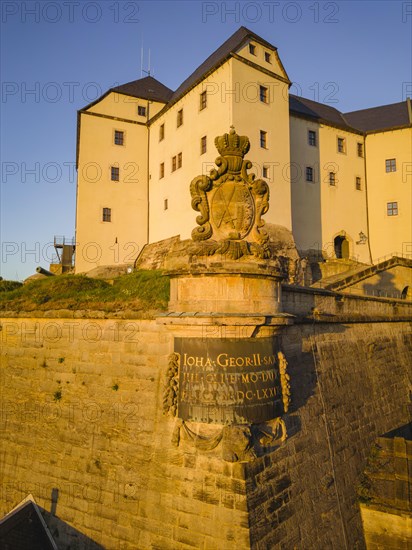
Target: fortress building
<point>341,182</point>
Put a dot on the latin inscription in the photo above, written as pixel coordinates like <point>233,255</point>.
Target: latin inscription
<point>228,381</point>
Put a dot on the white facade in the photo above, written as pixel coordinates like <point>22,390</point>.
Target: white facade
<point>167,139</point>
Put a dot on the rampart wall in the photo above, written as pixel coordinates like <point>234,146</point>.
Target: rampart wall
<point>83,430</point>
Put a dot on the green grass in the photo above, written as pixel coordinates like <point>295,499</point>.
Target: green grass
<point>142,291</point>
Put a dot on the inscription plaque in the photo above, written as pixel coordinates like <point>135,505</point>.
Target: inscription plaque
<point>228,381</point>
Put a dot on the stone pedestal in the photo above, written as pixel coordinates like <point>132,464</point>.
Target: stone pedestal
<point>205,285</point>
<point>252,294</point>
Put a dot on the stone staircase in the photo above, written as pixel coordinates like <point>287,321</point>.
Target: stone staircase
<point>349,278</point>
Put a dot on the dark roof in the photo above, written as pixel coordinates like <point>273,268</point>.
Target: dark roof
<point>25,529</point>
<point>218,57</point>
<point>366,120</point>
<point>379,118</point>
<point>150,88</point>
<point>317,111</point>
<point>145,88</point>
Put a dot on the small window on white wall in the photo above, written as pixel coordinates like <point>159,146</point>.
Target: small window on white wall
<point>118,137</point>
<point>107,215</point>
<point>392,208</point>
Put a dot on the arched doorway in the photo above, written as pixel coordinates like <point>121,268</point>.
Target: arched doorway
<point>341,245</point>
<point>406,293</point>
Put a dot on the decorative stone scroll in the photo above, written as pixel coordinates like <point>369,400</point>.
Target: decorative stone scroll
<point>172,385</point>
<point>231,204</point>
<point>241,385</point>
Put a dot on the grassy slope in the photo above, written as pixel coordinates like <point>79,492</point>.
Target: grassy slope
<point>140,291</point>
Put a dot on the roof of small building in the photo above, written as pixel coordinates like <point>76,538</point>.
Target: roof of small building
<point>380,118</point>
<point>145,88</point>
<point>24,527</point>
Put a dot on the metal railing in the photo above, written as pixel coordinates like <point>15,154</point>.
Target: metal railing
<point>61,241</point>
<point>391,255</point>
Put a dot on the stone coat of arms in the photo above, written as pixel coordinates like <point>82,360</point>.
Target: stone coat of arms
<point>231,203</point>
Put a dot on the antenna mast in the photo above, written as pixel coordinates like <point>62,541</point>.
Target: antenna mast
<point>148,72</point>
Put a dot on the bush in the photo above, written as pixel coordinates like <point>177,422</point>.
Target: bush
<point>7,286</point>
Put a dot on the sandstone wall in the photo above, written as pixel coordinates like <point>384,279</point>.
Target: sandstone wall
<point>82,429</point>
<point>349,383</point>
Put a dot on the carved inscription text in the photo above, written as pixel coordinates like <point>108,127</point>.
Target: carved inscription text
<point>228,381</point>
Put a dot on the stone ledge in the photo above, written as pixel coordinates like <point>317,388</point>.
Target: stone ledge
<point>79,314</point>
<point>201,318</point>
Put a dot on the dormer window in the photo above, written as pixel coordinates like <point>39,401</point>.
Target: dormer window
<point>252,49</point>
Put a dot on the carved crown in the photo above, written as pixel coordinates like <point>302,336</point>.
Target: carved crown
<point>232,145</point>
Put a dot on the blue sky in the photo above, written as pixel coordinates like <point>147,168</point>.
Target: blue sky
<point>57,56</point>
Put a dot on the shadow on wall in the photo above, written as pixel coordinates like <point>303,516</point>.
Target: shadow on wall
<point>302,371</point>
<point>384,287</point>
<point>66,536</point>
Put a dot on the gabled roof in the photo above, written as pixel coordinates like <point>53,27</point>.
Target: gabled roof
<point>380,118</point>
<point>150,88</point>
<point>317,111</point>
<point>145,88</point>
<point>219,56</point>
